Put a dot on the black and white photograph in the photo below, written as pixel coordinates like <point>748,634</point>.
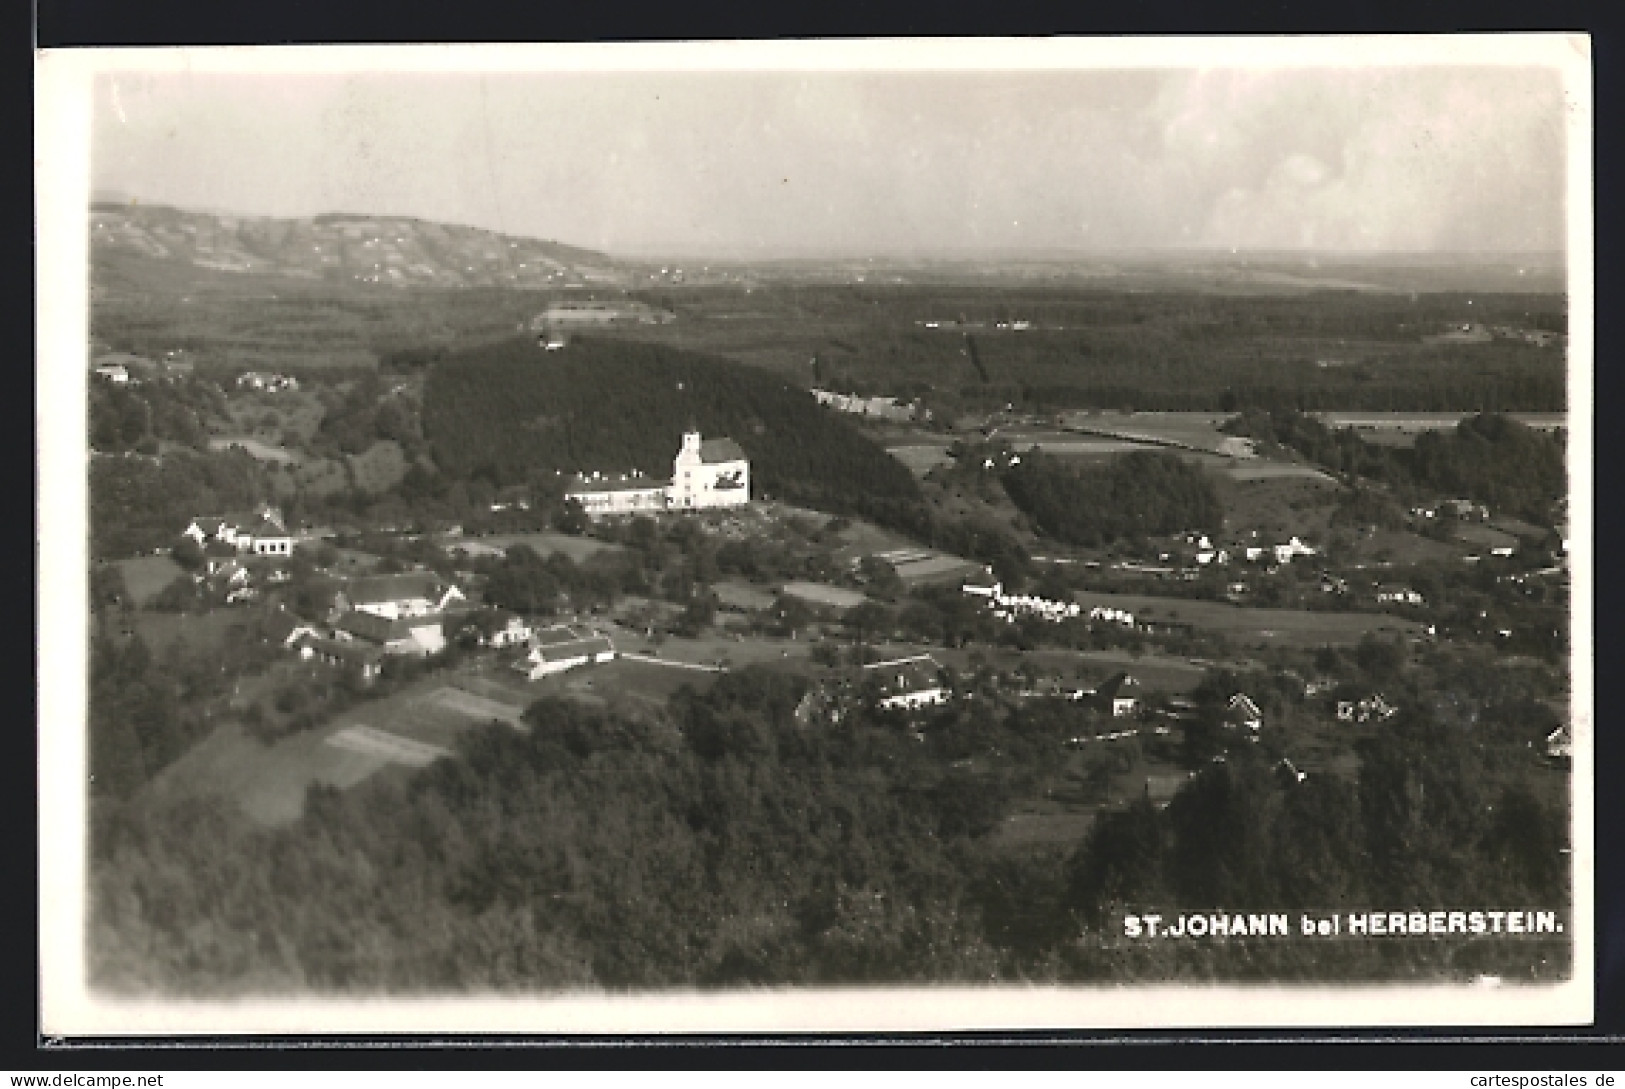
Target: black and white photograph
<point>892,535</point>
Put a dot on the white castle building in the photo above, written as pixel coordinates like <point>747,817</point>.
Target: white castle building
<point>706,473</point>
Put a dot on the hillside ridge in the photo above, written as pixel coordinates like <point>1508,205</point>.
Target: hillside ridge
<point>352,248</point>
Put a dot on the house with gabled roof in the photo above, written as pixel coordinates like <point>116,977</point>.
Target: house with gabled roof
<point>412,593</point>
<point>365,658</point>
<point>1242,711</point>
<point>419,635</point>
<point>561,647</point>
<point>908,683</point>
<point>1560,744</point>
<point>262,532</point>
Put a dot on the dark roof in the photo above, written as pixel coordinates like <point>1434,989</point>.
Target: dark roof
<point>346,652</point>
<point>267,528</point>
<point>630,484</point>
<point>377,588</point>
<point>908,674</point>
<point>715,450</point>
<point>379,630</point>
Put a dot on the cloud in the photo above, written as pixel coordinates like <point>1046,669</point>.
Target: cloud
<point>1364,159</point>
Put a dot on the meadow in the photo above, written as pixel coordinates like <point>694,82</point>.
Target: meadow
<point>1256,627</point>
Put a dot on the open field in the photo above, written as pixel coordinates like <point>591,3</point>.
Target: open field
<point>921,458</point>
<point>146,576</point>
<point>268,782</point>
<point>1258,627</point>
<point>410,729</point>
<point>1268,469</point>
<point>544,544</point>
<point>646,681</point>
<point>193,632</point>
<point>1198,430</point>
<point>1026,831</point>
<point>1485,537</point>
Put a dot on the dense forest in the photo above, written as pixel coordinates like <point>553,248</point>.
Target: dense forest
<point>1135,495</point>
<point>723,844</point>
<point>504,411</point>
<point>1158,349</point>
<point>1492,459</point>
<point>141,503</point>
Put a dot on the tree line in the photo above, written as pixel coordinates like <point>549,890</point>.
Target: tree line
<point>724,843</point>
<point>1490,458</point>
<point>1144,493</point>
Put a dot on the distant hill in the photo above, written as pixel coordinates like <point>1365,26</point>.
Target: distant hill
<point>508,410</point>
<point>399,251</point>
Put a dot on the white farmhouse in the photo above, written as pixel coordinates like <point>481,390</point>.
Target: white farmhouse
<point>395,596</point>
<point>907,683</point>
<point>561,647</point>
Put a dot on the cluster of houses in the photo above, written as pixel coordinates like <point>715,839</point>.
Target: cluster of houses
<point>128,369</point>
<point>1464,509</point>
<point>1400,595</point>
<point>1206,553</point>
<point>379,615</point>
<point>898,684</point>
<point>261,532</point>
<point>412,614</point>
<point>706,474</point>
<point>885,408</point>
<point>1371,709</point>
<point>267,382</point>
<point>1013,607</point>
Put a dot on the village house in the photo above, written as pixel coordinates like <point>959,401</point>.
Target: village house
<point>908,683</point>
<point>1365,710</point>
<point>512,632</point>
<point>288,629</point>
<point>1560,744</point>
<point>366,660</point>
<point>1242,711</point>
<point>116,373</point>
<point>561,647</point>
<point>1114,695</point>
<point>417,593</point>
<point>1013,607</point>
<point>706,474</point>
<point>263,382</point>
<point>984,585</point>
<point>261,532</point>
<point>420,636</point>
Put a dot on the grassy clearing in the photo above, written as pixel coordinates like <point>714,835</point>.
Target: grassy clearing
<point>1257,627</point>
<point>921,458</point>
<point>646,682</point>
<point>146,576</point>
<point>544,544</point>
<point>193,632</point>
<point>379,468</point>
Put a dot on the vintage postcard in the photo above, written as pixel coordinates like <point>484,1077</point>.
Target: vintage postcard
<point>892,536</point>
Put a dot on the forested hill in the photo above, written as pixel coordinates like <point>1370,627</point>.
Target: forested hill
<point>509,410</point>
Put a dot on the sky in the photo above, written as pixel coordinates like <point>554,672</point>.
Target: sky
<point>1416,159</point>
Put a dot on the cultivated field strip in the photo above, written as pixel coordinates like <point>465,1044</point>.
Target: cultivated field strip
<point>365,739</point>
